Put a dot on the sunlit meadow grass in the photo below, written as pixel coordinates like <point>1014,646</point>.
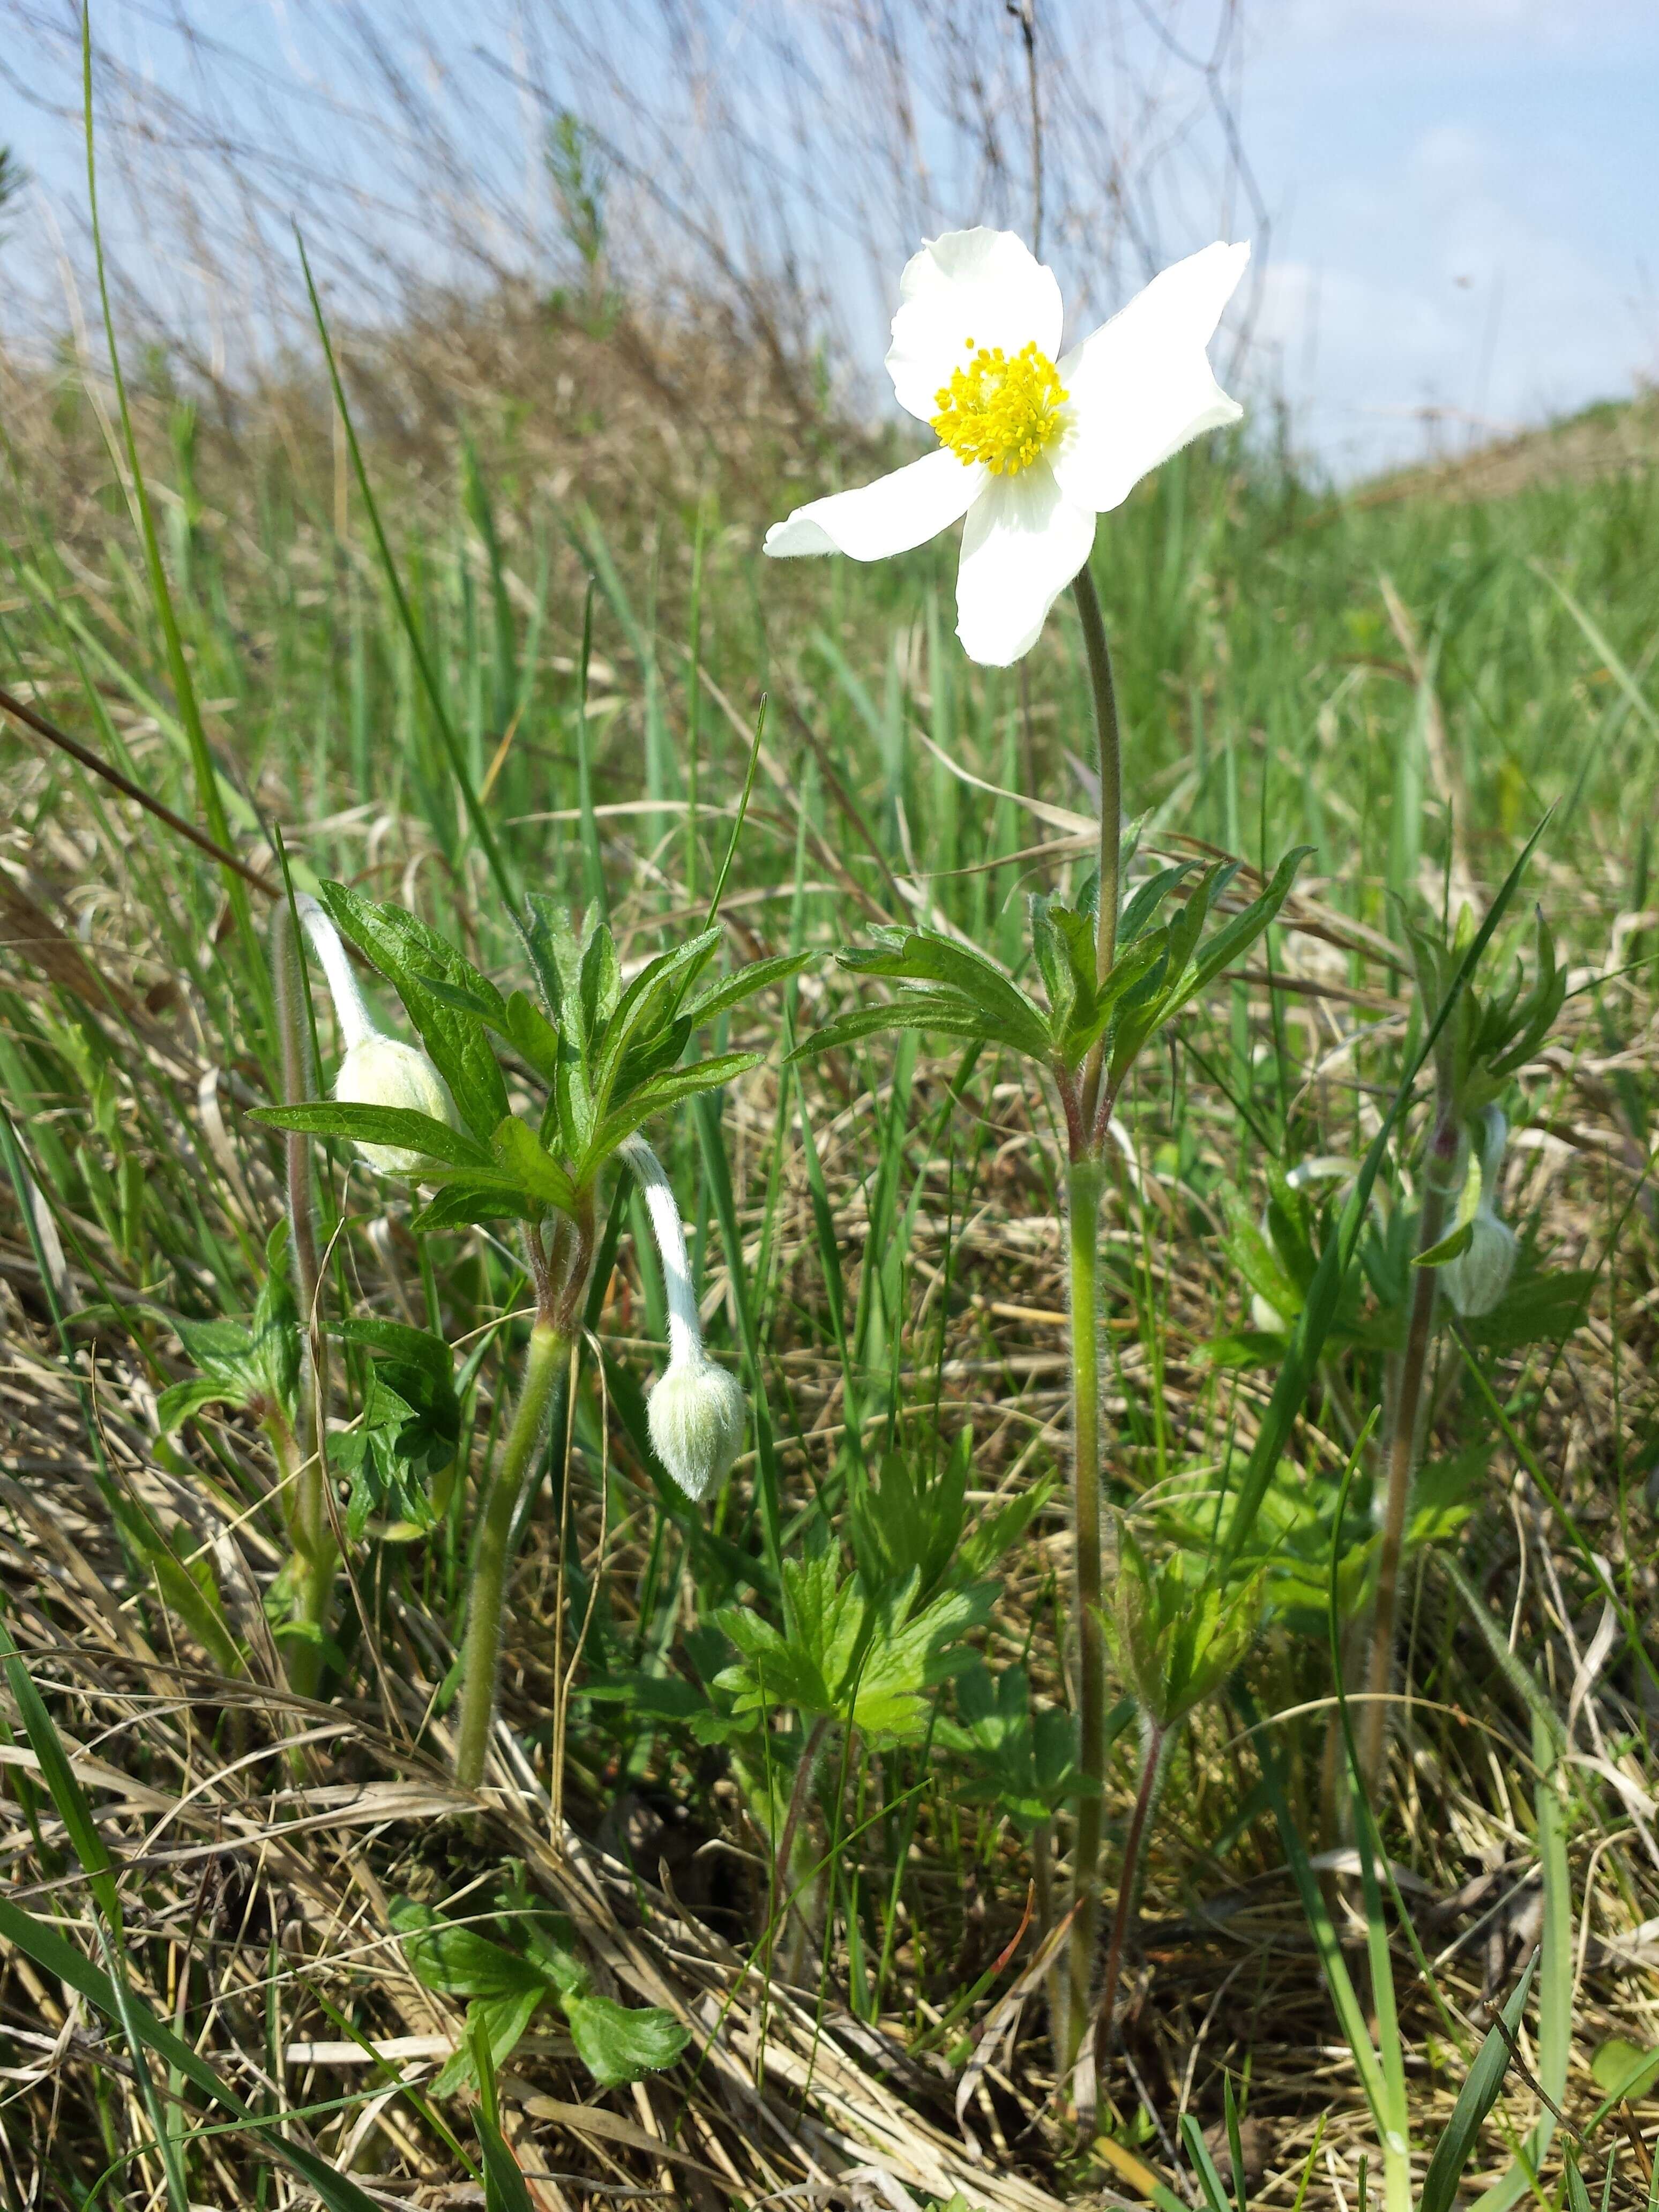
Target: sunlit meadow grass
<point>1410,685</point>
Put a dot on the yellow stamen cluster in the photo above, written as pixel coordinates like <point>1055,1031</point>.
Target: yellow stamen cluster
<point>999,411</point>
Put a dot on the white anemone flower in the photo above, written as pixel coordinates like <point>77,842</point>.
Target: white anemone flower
<point>1034,443</point>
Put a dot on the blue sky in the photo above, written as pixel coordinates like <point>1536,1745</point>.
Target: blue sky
<point>1463,191</point>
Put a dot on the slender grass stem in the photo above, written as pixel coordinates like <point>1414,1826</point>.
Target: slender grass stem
<point>1083,1182</point>
<point>1155,1748</point>
<point>480,1656</point>
<point>1403,1446</point>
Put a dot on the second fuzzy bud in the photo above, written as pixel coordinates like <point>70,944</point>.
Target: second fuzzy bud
<point>696,1413</point>
<point>1475,1281</point>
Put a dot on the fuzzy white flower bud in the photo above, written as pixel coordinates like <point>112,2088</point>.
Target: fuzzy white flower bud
<point>696,1413</point>
<point>383,1071</point>
<point>1475,1281</point>
<point>376,1070</point>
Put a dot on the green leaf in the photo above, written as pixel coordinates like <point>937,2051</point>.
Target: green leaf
<point>1148,898</point>
<point>502,2021</point>
<point>1624,2070</point>
<point>455,1961</point>
<point>533,1036</point>
<point>1051,947</point>
<point>377,1125</point>
<point>717,999</point>
<point>406,952</point>
<point>655,1096</point>
<point>926,957</point>
<point>1091,1018</point>
<point>470,1199</point>
<point>1542,1306</point>
<point>189,1593</point>
<point>1216,2198</point>
<point>650,1000</point>
<point>1452,1246</point>
<point>848,1655</point>
<point>175,1404</point>
<point>1177,1642</point>
<point>945,1011</point>
<point>617,2045</point>
<point>537,1174</point>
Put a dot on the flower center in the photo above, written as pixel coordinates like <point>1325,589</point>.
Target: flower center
<point>999,411</point>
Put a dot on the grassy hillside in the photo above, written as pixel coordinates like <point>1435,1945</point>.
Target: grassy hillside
<point>1410,686</point>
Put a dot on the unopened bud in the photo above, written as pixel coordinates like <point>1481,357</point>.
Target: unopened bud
<point>697,1414</point>
<point>1475,1281</point>
<point>376,1070</point>
<point>382,1071</point>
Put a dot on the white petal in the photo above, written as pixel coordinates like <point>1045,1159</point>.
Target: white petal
<point>1023,544</point>
<point>1141,386</point>
<point>889,516</point>
<point>986,285</point>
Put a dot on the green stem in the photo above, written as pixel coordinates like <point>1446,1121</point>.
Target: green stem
<point>549,1348</point>
<point>1084,1181</point>
<point>1108,755</point>
<point>306,1501</point>
<point>1403,1446</point>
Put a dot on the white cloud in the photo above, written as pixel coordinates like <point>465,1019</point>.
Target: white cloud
<point>1469,238</point>
<point>1543,24</point>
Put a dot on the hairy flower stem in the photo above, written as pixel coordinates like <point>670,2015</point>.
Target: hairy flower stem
<point>1087,1108</point>
<point>1083,1185</point>
<point>1107,752</point>
<point>1155,1743</point>
<point>1403,1442</point>
<point>306,1501</point>
<point>549,1347</point>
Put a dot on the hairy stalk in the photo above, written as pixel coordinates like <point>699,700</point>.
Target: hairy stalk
<point>1086,1109</point>
<point>1403,1444</point>
<point>1154,1757</point>
<point>1107,750</point>
<point>561,1280</point>
<point>1084,1181</point>
<point>549,1347</point>
<point>306,1500</point>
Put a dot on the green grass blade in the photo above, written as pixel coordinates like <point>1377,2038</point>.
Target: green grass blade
<point>1478,2093</point>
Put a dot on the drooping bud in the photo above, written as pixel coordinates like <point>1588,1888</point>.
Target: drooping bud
<point>376,1070</point>
<point>1475,1281</point>
<point>383,1071</point>
<point>697,1412</point>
